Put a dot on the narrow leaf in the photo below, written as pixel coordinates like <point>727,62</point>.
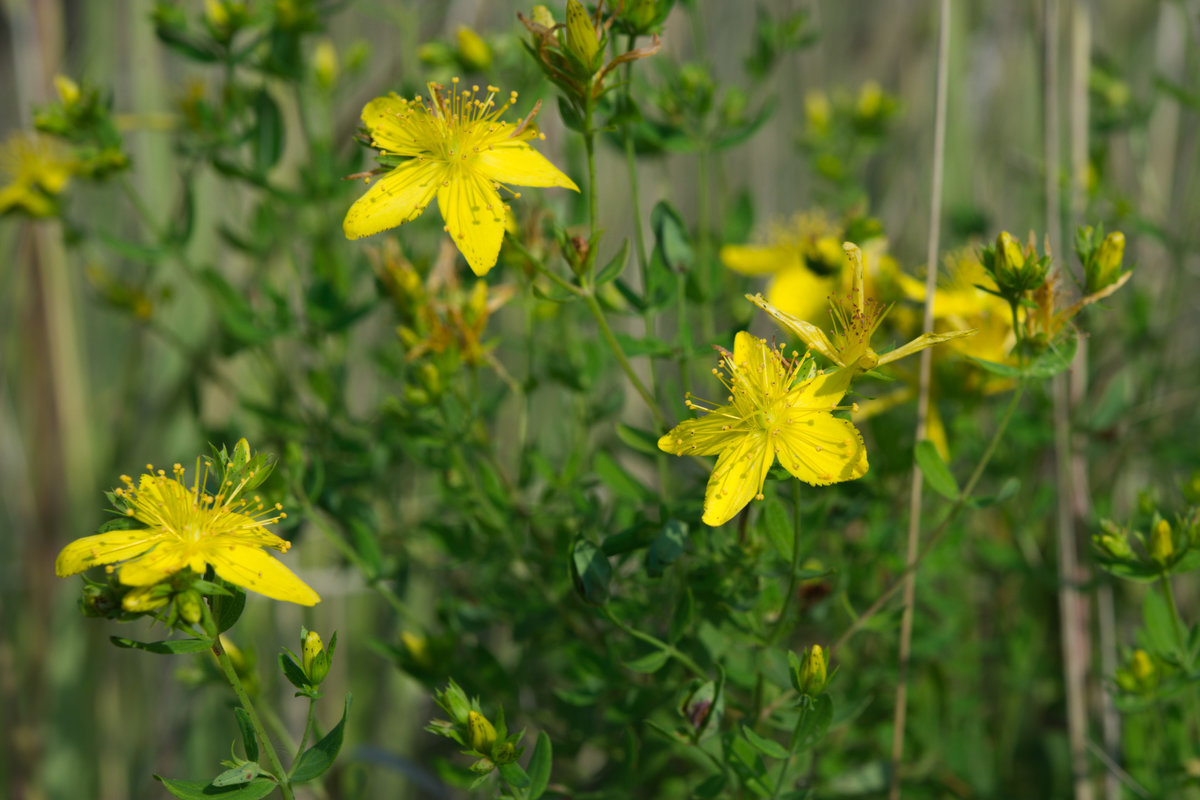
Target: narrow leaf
<point>936,471</point>
<point>767,747</point>
<point>319,757</point>
<point>169,647</point>
<point>539,766</point>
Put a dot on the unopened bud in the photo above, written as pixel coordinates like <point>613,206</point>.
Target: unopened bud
<point>68,90</point>
<point>189,606</point>
<point>641,13</point>
<point>315,658</point>
<point>1141,667</point>
<point>1105,268</point>
<point>1009,259</point>
<point>504,753</point>
<point>1162,548</point>
<point>809,672</point>
<point>542,17</point>
<point>417,647</point>
<point>481,735</point>
<point>581,34</point>
<point>1114,546</point>
<point>325,64</point>
<point>217,14</point>
<point>473,51</point>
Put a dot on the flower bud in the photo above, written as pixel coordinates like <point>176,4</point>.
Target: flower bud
<point>641,14</point>
<point>809,672</point>
<point>1009,260</point>
<point>1162,547</point>
<point>68,91</point>
<point>188,604</point>
<point>99,600</point>
<point>315,658</point>
<point>325,64</point>
<point>473,51</point>
<point>1105,268</point>
<point>481,735</point>
<point>581,34</point>
<point>1113,546</point>
<point>504,753</point>
<point>417,647</point>
<point>542,17</point>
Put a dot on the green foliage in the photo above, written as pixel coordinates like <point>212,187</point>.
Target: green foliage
<point>471,465</point>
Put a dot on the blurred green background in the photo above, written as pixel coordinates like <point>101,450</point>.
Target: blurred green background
<point>76,711</point>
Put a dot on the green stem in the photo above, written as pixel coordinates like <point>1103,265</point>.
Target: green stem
<point>1180,631</point>
<point>959,504</point>
<point>670,650</point>
<point>210,627</point>
<point>787,762</point>
<point>780,623</point>
<point>537,264</point>
<point>309,725</point>
<point>615,346</point>
<point>589,145</point>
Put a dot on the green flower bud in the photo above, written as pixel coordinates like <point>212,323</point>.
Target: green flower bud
<point>99,600</point>
<point>315,658</point>
<point>504,753</point>
<point>1113,546</point>
<point>68,91</point>
<point>1104,268</point>
<point>325,64</point>
<point>582,40</point>
<point>1009,260</point>
<point>641,13</point>
<point>190,606</point>
<point>473,51</point>
<point>454,700</point>
<point>809,672</point>
<point>541,16</point>
<point>481,735</point>
<point>1162,547</point>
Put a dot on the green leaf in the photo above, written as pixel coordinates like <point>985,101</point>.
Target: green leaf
<point>778,528</point>
<point>539,766</point>
<point>767,747</point>
<point>615,477</point>
<point>712,786</point>
<point>681,617</point>
<point>650,662</point>
<point>1160,629</point>
<point>671,239</point>
<point>514,775</point>
<point>816,723</point>
<point>199,790</point>
<point>590,572</point>
<point>168,647</point>
<point>638,439</point>
<point>936,471</point>
<point>669,545</point>
<point>249,740</point>
<point>318,758</point>
<point>292,671</point>
<point>238,775</point>
<point>268,132</point>
<point>615,266</point>
<point>227,609</point>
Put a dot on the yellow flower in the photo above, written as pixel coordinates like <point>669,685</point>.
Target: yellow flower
<point>804,259</point>
<point>772,411</point>
<point>187,527</point>
<point>37,170</point>
<point>458,149</point>
<point>855,320</point>
<point>959,303</point>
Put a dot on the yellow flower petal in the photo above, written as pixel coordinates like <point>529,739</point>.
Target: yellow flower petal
<point>519,164</point>
<point>385,118</point>
<point>706,436</point>
<point>810,334</point>
<point>801,292</point>
<point>257,571</point>
<point>738,478</point>
<point>104,548</point>
<point>397,197</point>
<point>168,557</point>
<point>474,215</point>
<point>760,259</point>
<point>821,449</point>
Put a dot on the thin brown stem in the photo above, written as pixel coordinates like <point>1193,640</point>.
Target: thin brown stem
<point>914,517</point>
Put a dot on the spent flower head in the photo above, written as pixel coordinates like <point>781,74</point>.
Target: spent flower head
<point>776,406</point>
<point>455,148</point>
<point>184,526</point>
